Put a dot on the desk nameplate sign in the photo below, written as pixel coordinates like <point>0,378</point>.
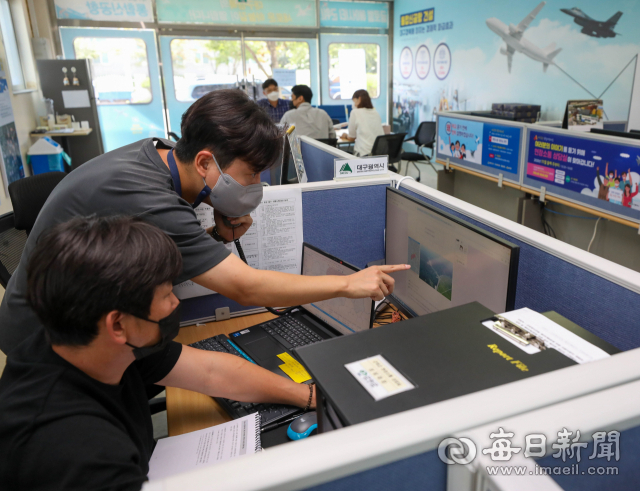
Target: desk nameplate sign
<point>360,167</point>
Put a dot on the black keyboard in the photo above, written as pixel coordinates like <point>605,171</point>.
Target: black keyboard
<point>292,331</point>
<point>269,413</point>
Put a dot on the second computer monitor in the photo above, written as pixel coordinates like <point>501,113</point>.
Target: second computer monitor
<point>452,262</point>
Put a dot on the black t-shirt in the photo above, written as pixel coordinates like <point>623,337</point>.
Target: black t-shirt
<point>132,180</point>
<point>61,429</point>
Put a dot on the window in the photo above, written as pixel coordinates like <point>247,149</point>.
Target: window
<point>202,65</point>
<point>289,59</point>
<point>16,52</point>
<point>353,67</point>
<point>120,69</point>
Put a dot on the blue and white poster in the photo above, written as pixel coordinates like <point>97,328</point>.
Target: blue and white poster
<point>525,51</point>
<point>10,154</point>
<point>488,146</point>
<point>595,172</point>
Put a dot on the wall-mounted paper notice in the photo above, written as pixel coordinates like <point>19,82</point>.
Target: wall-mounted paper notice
<point>73,99</point>
<point>274,240</point>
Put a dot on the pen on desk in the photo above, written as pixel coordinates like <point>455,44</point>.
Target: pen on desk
<point>278,424</point>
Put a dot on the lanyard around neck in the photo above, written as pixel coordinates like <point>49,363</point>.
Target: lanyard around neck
<point>175,175</point>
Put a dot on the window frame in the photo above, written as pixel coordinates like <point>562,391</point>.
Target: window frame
<point>379,55</point>
<point>16,57</point>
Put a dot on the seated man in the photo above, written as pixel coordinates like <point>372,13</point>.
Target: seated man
<point>309,121</point>
<point>75,414</point>
<point>273,104</point>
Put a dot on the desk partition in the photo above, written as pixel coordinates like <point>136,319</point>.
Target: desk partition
<point>336,218</point>
<point>347,219</point>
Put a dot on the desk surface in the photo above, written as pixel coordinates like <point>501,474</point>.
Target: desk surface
<point>187,410</point>
<point>190,411</point>
<point>80,132</point>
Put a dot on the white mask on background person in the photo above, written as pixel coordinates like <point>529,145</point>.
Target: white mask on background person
<point>273,96</point>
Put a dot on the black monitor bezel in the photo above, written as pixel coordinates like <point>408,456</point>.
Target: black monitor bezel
<point>341,262</point>
<point>515,249</point>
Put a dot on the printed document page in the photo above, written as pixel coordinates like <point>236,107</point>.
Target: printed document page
<point>555,336</point>
<point>273,242</point>
<point>202,448</point>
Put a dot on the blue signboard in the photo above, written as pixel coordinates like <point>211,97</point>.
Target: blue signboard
<point>486,147</point>
<point>599,173</point>
<point>354,14</point>
<point>295,13</point>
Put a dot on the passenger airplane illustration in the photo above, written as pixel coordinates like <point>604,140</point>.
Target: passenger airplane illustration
<point>512,36</point>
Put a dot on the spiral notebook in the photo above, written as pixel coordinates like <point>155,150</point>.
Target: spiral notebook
<point>206,447</point>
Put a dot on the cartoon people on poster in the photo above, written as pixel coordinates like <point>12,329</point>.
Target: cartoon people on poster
<point>617,189</point>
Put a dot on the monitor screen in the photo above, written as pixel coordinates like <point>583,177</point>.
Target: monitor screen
<point>452,262</point>
<point>345,315</point>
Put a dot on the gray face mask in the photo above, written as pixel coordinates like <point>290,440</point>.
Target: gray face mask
<point>231,198</point>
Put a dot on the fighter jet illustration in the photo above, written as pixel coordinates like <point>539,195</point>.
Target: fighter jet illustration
<point>592,27</point>
<point>512,36</point>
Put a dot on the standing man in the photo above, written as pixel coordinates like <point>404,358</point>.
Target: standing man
<point>309,121</point>
<point>227,140</point>
<point>273,104</point>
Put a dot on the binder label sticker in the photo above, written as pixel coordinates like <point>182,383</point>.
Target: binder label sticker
<point>293,368</point>
<point>379,377</point>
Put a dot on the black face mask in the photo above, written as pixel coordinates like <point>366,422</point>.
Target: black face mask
<point>169,329</point>
<point>291,106</point>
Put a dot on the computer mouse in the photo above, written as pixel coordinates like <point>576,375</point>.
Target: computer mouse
<point>303,426</point>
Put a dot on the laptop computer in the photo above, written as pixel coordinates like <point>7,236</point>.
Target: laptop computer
<point>312,322</point>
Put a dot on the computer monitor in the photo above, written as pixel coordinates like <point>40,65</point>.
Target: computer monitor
<point>452,262</point>
<point>345,315</point>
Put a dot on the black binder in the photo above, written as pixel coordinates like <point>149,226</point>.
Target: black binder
<point>445,354</point>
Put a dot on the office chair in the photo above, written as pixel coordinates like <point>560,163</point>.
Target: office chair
<point>332,142</point>
<point>12,243</point>
<point>425,137</point>
<point>390,145</point>
<point>28,196</point>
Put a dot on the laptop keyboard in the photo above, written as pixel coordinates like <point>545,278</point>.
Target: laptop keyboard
<point>269,413</point>
<point>292,331</point>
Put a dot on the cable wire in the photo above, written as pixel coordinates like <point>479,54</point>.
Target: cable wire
<point>595,229</point>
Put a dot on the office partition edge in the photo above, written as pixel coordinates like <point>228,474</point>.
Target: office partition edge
<point>340,154</point>
<point>617,407</point>
<point>357,448</point>
<point>604,268</point>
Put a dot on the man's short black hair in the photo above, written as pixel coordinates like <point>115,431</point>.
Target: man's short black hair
<point>89,266</point>
<point>268,83</point>
<point>230,126</point>
<point>302,90</point>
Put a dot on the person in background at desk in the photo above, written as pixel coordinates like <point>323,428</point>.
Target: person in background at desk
<point>75,412</point>
<point>273,104</point>
<point>309,121</point>
<point>364,124</point>
<point>227,141</point>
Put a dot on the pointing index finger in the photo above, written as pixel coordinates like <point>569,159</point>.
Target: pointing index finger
<point>394,267</point>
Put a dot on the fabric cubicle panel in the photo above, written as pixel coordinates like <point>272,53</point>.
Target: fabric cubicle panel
<point>627,468</point>
<point>546,282</point>
<point>424,471</point>
<point>347,222</point>
<point>317,163</point>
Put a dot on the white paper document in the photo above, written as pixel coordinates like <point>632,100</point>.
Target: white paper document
<point>273,242</point>
<point>555,336</point>
<point>75,99</point>
<point>203,448</point>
